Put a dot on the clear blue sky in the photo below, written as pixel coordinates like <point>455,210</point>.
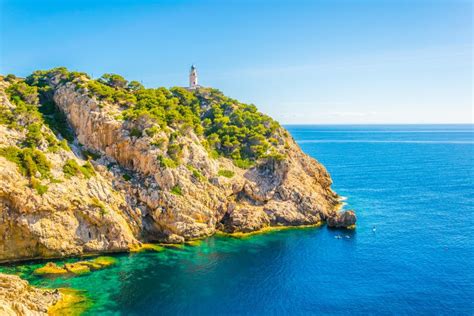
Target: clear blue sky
<point>379,61</point>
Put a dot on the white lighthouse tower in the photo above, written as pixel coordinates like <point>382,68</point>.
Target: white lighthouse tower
<point>193,78</point>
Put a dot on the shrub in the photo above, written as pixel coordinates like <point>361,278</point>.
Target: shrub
<point>22,92</point>
<point>40,188</point>
<point>113,80</point>
<point>158,142</point>
<point>56,120</point>
<point>135,132</point>
<point>167,162</point>
<point>97,203</point>
<point>13,154</point>
<point>226,173</point>
<point>29,161</point>
<point>71,168</point>
<point>196,173</point>
<point>175,151</point>
<point>176,190</point>
<point>126,177</point>
<point>243,163</point>
<point>33,135</point>
<point>135,85</point>
<point>87,170</point>
<point>10,78</point>
<point>275,156</point>
<point>152,131</point>
<point>91,155</point>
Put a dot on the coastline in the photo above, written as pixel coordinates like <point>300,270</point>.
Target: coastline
<point>266,230</point>
<point>160,246</point>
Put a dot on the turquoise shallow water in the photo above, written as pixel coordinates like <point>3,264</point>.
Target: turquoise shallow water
<point>413,183</point>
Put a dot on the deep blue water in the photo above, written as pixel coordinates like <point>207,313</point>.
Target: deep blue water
<point>413,183</point>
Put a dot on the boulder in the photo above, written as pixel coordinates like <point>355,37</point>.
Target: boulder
<point>346,219</point>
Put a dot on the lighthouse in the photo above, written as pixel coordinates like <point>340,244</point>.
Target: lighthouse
<point>193,78</point>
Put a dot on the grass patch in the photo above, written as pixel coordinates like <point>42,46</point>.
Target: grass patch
<point>176,190</point>
<point>167,162</point>
<point>40,188</point>
<point>243,163</point>
<point>71,168</point>
<point>196,173</point>
<point>87,170</point>
<point>97,203</point>
<point>226,173</point>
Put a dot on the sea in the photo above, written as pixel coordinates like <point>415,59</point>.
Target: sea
<point>412,252</point>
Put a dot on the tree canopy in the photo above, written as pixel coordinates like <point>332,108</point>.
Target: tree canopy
<point>225,126</point>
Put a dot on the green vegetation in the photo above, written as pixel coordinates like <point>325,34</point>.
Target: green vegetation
<point>29,116</point>
<point>152,131</point>
<point>176,190</point>
<point>113,80</point>
<point>226,173</point>
<point>126,177</point>
<point>40,188</point>
<point>91,155</point>
<point>158,142</point>
<point>29,161</point>
<point>196,173</point>
<point>97,203</point>
<point>224,126</point>
<point>243,163</point>
<point>135,132</point>
<point>10,78</point>
<point>56,120</point>
<point>167,162</point>
<point>71,168</point>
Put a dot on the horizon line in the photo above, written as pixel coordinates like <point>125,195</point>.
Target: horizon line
<point>365,124</point>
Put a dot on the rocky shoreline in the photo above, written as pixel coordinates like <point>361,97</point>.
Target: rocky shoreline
<point>18,297</point>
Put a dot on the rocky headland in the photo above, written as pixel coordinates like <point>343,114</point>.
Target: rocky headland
<point>97,166</point>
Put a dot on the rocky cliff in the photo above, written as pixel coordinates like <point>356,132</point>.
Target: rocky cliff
<point>90,166</point>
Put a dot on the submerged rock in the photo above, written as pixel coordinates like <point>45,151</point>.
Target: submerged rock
<point>80,267</point>
<point>50,269</point>
<point>77,268</point>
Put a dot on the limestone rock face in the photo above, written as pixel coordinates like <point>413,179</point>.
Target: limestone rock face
<point>18,298</point>
<point>66,220</point>
<point>134,198</point>
<point>295,191</point>
<point>62,222</point>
